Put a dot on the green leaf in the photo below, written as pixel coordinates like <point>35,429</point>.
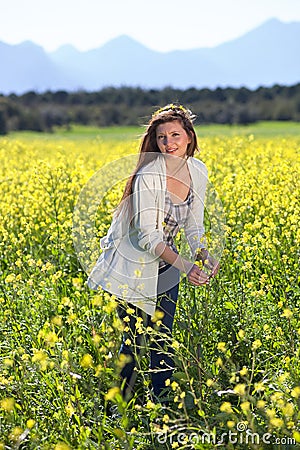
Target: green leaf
<point>180,376</point>
<point>229,305</point>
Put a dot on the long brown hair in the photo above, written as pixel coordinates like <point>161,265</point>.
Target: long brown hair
<point>149,147</point>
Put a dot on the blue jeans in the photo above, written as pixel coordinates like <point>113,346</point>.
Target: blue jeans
<point>161,361</point>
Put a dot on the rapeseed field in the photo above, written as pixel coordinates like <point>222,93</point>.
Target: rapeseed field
<point>236,342</point>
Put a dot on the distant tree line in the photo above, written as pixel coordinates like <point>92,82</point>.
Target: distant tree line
<point>133,105</point>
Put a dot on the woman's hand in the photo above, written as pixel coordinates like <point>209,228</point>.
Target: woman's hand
<point>194,273</point>
<point>197,277</point>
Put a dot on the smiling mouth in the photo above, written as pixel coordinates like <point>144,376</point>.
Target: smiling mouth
<point>171,150</point>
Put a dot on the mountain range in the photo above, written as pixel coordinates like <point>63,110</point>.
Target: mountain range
<point>266,55</point>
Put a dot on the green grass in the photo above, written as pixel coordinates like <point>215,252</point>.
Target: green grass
<point>78,132</point>
<point>83,133</point>
<point>260,129</point>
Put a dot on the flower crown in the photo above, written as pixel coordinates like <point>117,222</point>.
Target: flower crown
<point>177,109</point>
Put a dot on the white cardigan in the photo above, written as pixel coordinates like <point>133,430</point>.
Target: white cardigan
<point>128,265</point>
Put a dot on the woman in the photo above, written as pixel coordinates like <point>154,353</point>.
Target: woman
<point>140,263</point>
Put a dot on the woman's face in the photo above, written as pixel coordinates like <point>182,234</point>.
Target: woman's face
<point>172,139</point>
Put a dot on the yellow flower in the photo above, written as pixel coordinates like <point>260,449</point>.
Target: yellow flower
<point>256,344</point>
<point>261,404</point>
<point>158,315</point>
<point>66,302</point>
<point>233,378</point>
<point>8,362</point>
<point>240,389</point>
<point>271,413</point>
<point>30,423</point>
<point>86,361</point>
<point>243,371</point>
<point>96,339</point>
<point>65,354</point>
<point>10,278</point>
<point>219,362</point>
<point>51,338</point>
<point>71,317</point>
<point>245,406</point>
<point>8,404</point>
<point>222,346</point>
<point>57,320</point>
<point>69,409</point>
<point>288,410</point>
<point>259,386</point>
<point>123,360</point>
<point>150,405</point>
<point>296,392</point>
<point>283,377</point>
<point>16,433</point>
<point>110,307</point>
<point>175,345</point>
<point>241,334</point>
<point>226,407</point>
<point>97,300</point>
<point>287,313</point>
<point>62,446</point>
<point>40,356</point>
<point>276,422</point>
<point>296,436</point>
<point>174,385</point>
<point>112,393</point>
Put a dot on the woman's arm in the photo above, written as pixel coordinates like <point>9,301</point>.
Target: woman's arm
<point>194,227</point>
<point>150,237</point>
<point>145,212</point>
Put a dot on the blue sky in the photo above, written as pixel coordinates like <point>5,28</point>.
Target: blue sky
<point>159,24</point>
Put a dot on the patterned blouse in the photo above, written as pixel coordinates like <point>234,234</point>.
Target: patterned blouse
<point>175,217</point>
